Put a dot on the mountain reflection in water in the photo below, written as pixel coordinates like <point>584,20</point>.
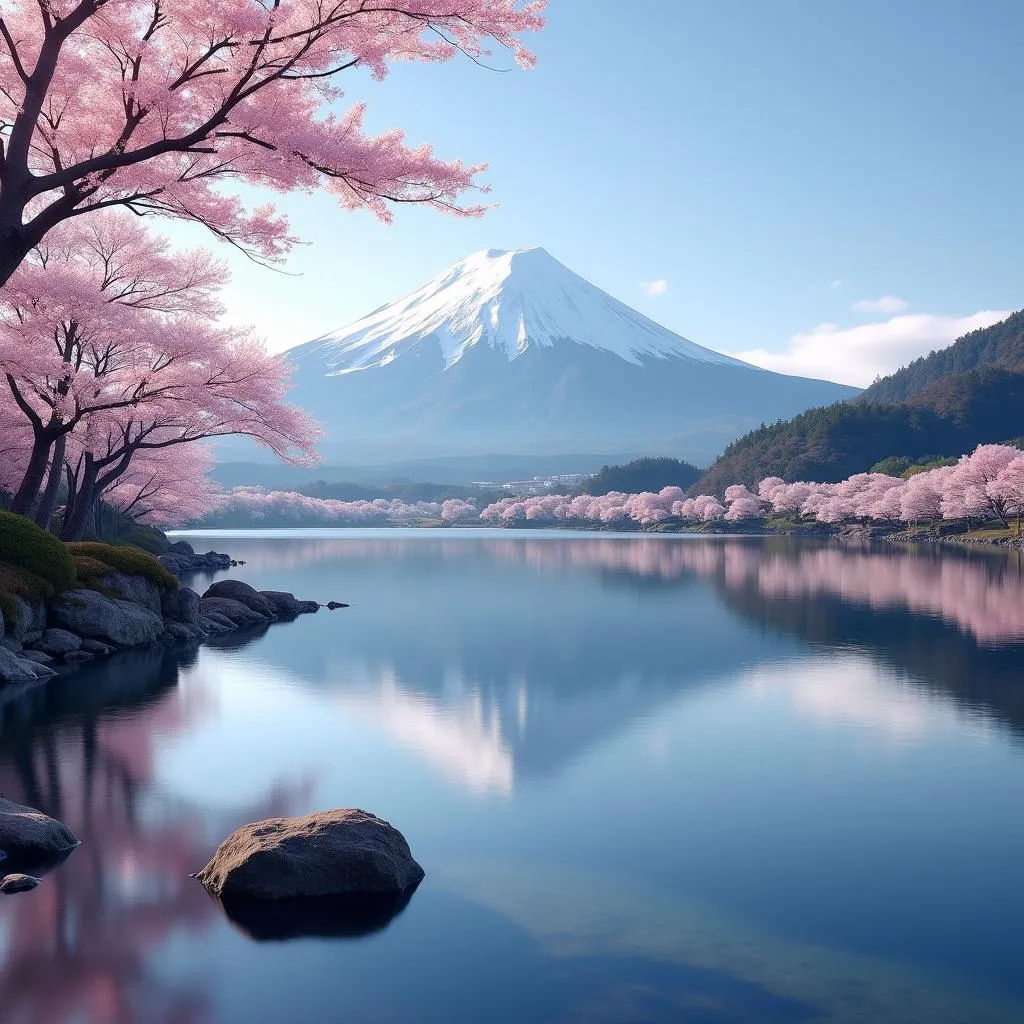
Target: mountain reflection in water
<point>492,694</point>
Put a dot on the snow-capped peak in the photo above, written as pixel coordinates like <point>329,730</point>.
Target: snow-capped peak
<point>511,300</point>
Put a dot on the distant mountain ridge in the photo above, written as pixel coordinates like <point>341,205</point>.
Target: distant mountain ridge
<point>510,351</point>
<point>947,411</point>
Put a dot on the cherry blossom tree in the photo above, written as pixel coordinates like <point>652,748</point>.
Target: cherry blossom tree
<point>219,384</point>
<point>157,105</point>
<point>455,510</point>
<point>78,322</point>
<point>1008,488</point>
<point>165,487</point>
<point>742,504</point>
<point>972,490</point>
<point>921,499</point>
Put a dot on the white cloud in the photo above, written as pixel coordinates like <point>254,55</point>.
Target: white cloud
<point>658,287</point>
<point>856,355</point>
<point>886,304</point>
<point>837,283</point>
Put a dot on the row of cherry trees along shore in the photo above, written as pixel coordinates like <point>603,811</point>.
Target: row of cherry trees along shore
<point>114,361</point>
<point>987,484</point>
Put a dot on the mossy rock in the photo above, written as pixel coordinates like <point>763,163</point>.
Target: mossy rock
<point>24,546</point>
<point>16,581</point>
<point>130,560</point>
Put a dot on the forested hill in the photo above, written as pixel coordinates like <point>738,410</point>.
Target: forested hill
<point>948,417</point>
<point>649,474</point>
<point>1001,345</point>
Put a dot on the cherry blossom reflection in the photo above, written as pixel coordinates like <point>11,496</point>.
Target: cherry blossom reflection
<point>79,950</point>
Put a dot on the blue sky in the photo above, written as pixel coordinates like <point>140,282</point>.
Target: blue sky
<point>825,188</point>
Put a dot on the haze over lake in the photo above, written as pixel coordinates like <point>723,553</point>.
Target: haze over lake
<point>650,778</point>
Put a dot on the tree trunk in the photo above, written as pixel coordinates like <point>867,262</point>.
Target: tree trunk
<point>48,502</point>
<point>27,497</point>
<point>12,245</point>
<point>80,511</point>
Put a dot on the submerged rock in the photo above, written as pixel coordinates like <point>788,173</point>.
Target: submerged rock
<point>11,884</point>
<point>29,836</point>
<point>324,854</point>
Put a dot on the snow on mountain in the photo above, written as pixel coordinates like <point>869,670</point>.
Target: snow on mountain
<point>510,300</point>
<point>512,353</point>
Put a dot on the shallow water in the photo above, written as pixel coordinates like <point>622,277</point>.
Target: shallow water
<point>650,779</point>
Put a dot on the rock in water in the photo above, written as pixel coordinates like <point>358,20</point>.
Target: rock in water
<point>331,605</point>
<point>17,883</point>
<point>57,642</point>
<point>15,669</point>
<point>322,854</point>
<point>235,612</point>
<point>181,605</point>
<point>29,835</point>
<point>236,590</point>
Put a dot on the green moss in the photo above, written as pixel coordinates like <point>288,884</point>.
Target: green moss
<point>130,560</point>
<point>16,581</point>
<point>24,545</point>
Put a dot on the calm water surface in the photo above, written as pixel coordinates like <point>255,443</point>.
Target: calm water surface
<point>650,779</point>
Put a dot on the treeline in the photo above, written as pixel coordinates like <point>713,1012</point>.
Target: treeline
<point>828,444</point>
<point>409,491</point>
<point>648,474</point>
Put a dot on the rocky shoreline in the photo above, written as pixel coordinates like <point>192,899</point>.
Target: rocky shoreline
<point>121,610</point>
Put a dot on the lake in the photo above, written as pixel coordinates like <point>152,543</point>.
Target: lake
<point>650,779</point>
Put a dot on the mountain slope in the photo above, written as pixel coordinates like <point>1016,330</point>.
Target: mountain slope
<point>949,417</point>
<point>1001,346</point>
<point>511,352</point>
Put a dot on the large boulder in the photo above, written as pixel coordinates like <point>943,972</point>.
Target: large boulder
<point>29,836</point>
<point>139,589</point>
<point>121,623</point>
<point>177,564</point>
<point>214,623</point>
<point>181,605</point>
<point>324,854</point>
<point>234,611</point>
<point>16,669</point>
<point>236,590</point>
<point>182,547</point>
<point>58,642</point>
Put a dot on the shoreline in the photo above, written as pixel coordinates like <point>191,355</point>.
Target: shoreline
<point>141,602</point>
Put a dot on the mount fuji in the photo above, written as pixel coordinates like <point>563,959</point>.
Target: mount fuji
<point>511,352</point>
